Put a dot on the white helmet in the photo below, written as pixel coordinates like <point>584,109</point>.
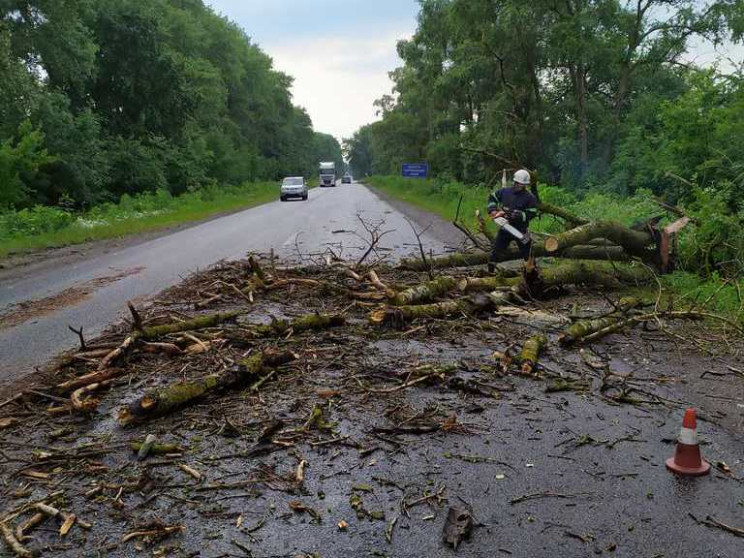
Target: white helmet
<point>522,177</point>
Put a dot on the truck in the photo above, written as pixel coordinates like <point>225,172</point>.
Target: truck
<point>327,174</point>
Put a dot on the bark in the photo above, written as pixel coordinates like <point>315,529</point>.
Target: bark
<point>530,355</point>
<point>456,259</point>
<point>483,284</point>
<point>175,396</point>
<point>9,538</point>
<point>582,329</point>
<point>607,252</point>
<point>93,378</point>
<point>425,292</point>
<point>201,322</point>
<point>80,400</point>
<point>311,322</point>
<point>398,316</point>
<point>636,243</point>
<point>578,272</point>
<point>119,353</point>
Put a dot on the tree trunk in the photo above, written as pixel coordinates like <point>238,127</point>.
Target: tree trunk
<point>531,353</point>
<point>578,331</point>
<point>636,243</point>
<point>175,396</point>
<point>398,316</point>
<point>200,322</point>
<point>585,252</point>
<point>425,292</point>
<point>311,322</point>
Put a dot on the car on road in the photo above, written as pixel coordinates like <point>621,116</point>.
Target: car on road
<point>346,179</point>
<point>293,187</point>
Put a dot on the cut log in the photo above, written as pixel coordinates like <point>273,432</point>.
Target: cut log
<point>200,322</point>
<point>483,284</point>
<point>575,272</point>
<point>607,252</point>
<point>456,259</point>
<point>426,292</point>
<point>530,355</point>
<point>636,243</point>
<point>606,324</point>
<point>175,396</point>
<point>311,322</point>
<point>398,316</point>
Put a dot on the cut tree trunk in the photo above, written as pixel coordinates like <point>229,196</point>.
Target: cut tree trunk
<point>175,396</point>
<point>530,355</point>
<point>635,243</point>
<point>311,322</point>
<point>201,322</point>
<point>425,292</point>
<point>398,316</point>
<point>583,252</point>
<point>582,329</point>
<point>456,259</point>
<point>572,272</point>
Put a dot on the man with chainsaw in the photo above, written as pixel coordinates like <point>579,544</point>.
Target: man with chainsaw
<point>512,209</point>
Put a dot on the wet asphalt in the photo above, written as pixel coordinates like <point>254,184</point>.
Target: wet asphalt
<point>295,230</point>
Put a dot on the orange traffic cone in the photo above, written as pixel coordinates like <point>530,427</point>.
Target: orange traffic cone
<point>687,459</point>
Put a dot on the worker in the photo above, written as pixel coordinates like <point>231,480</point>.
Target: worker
<point>518,206</point>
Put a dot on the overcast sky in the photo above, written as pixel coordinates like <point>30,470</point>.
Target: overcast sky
<point>338,51</point>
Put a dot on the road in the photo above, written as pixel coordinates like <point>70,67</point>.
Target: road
<point>36,307</point>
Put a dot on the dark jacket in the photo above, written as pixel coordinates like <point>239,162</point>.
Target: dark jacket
<point>520,206</point>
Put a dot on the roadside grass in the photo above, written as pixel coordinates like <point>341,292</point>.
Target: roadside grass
<point>714,293</point>
<point>49,227</point>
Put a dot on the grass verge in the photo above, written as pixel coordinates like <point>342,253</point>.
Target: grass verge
<point>43,227</point>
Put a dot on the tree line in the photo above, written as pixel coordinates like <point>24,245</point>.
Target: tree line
<point>100,98</point>
<point>591,93</point>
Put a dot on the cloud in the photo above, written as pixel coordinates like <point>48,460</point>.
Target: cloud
<point>338,79</point>
<point>339,52</point>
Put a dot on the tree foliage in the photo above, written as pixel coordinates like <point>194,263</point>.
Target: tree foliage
<point>113,97</point>
<point>592,93</point>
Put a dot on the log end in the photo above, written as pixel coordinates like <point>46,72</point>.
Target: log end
<point>551,244</point>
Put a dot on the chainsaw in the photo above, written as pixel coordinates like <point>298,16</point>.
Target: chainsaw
<point>504,224</point>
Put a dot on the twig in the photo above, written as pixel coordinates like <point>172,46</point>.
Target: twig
<point>427,266</point>
<point>79,333</point>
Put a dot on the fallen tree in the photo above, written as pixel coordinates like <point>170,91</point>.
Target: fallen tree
<point>635,243</point>
<point>311,322</point>
<point>425,292</point>
<point>457,259</point>
<point>175,396</point>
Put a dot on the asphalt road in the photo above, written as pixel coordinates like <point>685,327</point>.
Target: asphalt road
<point>93,292</point>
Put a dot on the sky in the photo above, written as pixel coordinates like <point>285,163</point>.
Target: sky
<point>339,52</point>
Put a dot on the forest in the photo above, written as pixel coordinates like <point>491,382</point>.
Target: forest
<point>593,94</point>
<point>101,99</point>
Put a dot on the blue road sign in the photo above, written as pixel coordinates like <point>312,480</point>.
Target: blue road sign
<point>415,170</point>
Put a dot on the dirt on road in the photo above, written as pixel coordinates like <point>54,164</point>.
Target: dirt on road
<point>362,443</point>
